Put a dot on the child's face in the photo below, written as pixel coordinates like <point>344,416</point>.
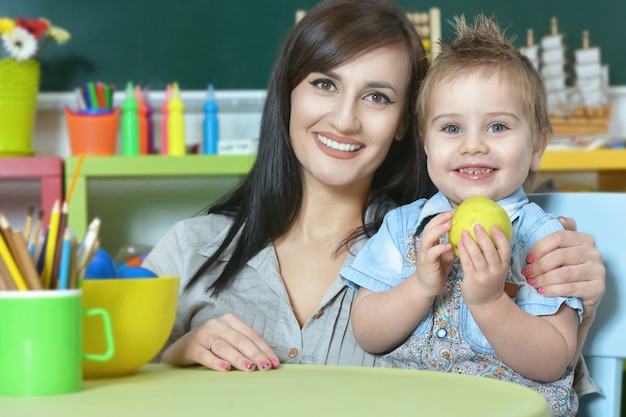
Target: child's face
<point>478,138</point>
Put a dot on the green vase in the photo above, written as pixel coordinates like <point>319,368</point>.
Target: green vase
<point>19,85</point>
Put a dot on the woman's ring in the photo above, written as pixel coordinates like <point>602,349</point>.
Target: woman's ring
<point>210,345</point>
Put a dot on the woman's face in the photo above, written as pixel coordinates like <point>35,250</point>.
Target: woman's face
<point>343,121</point>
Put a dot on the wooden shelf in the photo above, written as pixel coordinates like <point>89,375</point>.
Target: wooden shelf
<point>596,160</point>
<point>214,175</point>
<point>609,164</point>
<point>47,169</point>
<point>153,166</point>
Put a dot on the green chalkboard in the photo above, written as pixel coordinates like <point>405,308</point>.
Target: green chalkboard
<point>233,44</point>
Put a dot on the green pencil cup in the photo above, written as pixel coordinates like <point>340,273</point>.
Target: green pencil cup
<point>41,339</point>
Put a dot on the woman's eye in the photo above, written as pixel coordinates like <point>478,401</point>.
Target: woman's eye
<point>325,85</point>
<point>378,98</point>
<point>496,127</point>
<point>451,129</point>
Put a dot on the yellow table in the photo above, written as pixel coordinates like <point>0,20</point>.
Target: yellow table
<point>293,390</point>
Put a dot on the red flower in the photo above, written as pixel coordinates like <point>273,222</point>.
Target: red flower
<point>36,27</point>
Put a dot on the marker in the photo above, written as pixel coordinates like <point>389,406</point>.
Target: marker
<point>176,123</point>
<point>143,122</point>
<point>165,120</point>
<point>130,123</point>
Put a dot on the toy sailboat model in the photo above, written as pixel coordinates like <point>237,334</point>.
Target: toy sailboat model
<point>582,109</point>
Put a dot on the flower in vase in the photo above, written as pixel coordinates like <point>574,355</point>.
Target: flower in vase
<point>27,38</point>
<point>20,44</point>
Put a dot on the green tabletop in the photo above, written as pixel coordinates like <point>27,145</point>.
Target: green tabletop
<point>293,390</point>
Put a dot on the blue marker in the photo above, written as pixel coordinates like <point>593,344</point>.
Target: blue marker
<point>211,124</point>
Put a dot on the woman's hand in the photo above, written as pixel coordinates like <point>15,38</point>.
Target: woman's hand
<point>567,264</point>
<point>220,344</point>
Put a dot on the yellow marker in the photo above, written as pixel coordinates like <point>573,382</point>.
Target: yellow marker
<point>176,123</point>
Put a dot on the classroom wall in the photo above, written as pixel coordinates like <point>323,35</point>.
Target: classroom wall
<point>233,44</point>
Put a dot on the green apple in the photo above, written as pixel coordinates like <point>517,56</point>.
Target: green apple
<point>478,210</point>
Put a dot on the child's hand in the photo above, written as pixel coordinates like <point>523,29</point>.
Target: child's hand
<point>434,260</point>
<point>484,272</point>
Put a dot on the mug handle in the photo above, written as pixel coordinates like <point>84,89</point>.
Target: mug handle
<point>108,334</point>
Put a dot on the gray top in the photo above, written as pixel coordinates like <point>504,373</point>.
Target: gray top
<point>257,296</point>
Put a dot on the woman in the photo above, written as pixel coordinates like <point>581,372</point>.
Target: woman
<point>338,148</point>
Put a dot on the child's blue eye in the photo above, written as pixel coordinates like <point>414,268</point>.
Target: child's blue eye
<point>452,129</point>
<point>497,127</point>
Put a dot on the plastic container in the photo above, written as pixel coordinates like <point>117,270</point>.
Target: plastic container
<point>19,85</point>
<point>211,124</point>
<point>92,133</point>
<point>130,123</point>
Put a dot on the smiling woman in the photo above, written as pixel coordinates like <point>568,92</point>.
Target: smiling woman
<point>337,148</point>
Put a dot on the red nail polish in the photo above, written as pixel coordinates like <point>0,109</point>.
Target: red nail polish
<point>530,258</point>
<point>225,366</point>
<point>527,271</point>
<point>540,290</point>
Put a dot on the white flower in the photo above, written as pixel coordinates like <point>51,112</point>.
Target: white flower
<point>20,44</point>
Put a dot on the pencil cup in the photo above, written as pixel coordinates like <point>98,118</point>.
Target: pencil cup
<point>92,134</point>
<point>41,342</point>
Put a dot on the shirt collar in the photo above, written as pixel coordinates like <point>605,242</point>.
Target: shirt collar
<point>439,203</point>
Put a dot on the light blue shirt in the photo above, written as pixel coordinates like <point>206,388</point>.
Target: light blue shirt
<point>388,258</point>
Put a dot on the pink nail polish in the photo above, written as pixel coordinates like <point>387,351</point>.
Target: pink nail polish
<point>225,366</point>
<point>527,271</point>
<point>249,365</point>
<point>540,290</point>
<point>531,281</point>
<point>275,363</point>
<point>530,258</point>
<point>264,364</point>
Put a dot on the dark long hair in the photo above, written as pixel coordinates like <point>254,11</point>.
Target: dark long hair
<point>264,206</point>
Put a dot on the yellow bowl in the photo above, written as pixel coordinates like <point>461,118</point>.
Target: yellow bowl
<point>142,315</point>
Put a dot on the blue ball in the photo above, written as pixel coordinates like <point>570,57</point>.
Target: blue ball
<point>101,266</point>
<point>135,272</point>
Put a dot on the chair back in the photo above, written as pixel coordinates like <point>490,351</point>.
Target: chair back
<point>602,215</point>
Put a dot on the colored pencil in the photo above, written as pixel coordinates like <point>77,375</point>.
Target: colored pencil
<point>14,271</point>
<point>56,262</point>
<point>70,191</point>
<point>36,237</point>
<point>6,281</point>
<point>29,221</point>
<point>25,262</point>
<point>53,231</point>
<point>86,246</point>
<point>66,258</point>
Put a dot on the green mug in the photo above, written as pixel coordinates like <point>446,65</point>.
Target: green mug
<point>41,339</point>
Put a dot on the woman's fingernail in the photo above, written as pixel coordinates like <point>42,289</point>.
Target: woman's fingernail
<point>530,258</point>
<point>225,366</point>
<point>275,363</point>
<point>531,281</point>
<point>527,271</point>
<point>264,364</point>
<point>540,290</point>
<point>249,365</point>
